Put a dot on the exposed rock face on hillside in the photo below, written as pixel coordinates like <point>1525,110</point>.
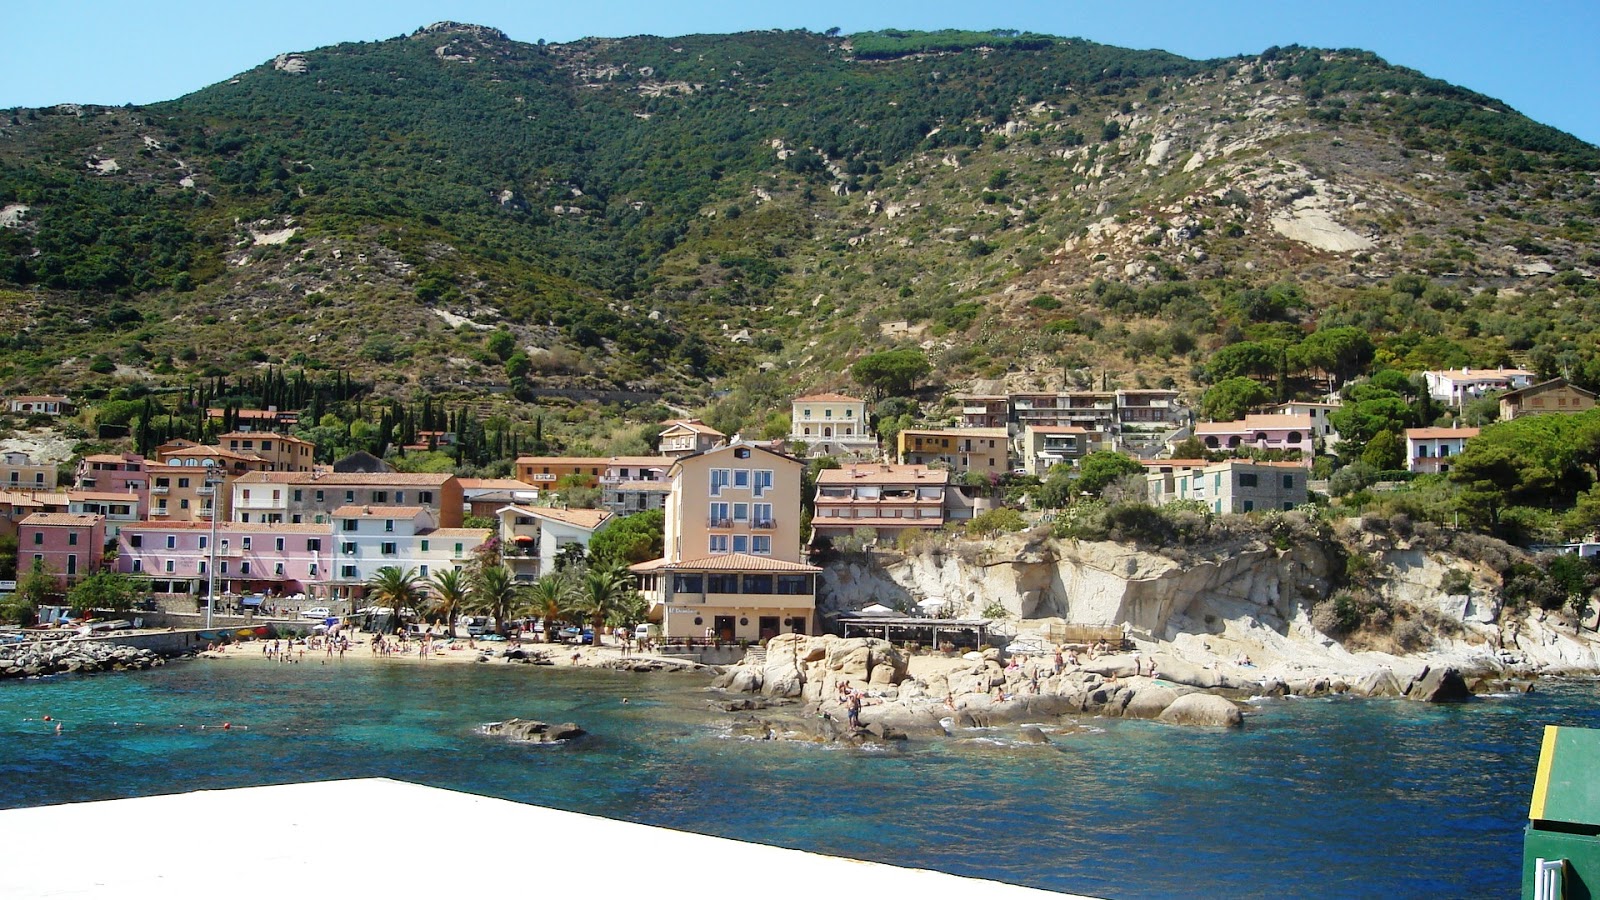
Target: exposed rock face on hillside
<point>1245,614</point>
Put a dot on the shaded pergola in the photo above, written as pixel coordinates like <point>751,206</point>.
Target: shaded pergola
<point>906,629</point>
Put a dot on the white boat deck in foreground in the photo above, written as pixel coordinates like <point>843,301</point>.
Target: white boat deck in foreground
<point>382,838</point>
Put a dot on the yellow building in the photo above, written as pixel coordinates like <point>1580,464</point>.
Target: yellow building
<point>732,568</point>
<point>983,450</point>
<point>283,452</point>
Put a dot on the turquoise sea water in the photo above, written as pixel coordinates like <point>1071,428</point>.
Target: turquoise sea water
<point>1315,798</point>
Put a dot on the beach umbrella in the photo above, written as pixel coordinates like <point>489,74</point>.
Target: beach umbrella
<point>877,609</point>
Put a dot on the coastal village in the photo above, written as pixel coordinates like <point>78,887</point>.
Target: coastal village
<point>253,523</point>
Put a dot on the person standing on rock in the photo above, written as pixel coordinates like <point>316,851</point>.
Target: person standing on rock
<point>854,709</point>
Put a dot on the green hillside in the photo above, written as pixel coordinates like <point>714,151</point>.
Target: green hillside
<point>651,221</point>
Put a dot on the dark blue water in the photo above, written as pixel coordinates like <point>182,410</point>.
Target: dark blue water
<point>1325,798</point>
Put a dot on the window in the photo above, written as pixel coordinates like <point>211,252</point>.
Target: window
<point>349,524</point>
<point>423,571</point>
<point>719,480</point>
<point>245,518</point>
<point>718,543</point>
<point>1249,505</point>
<point>277,543</point>
<point>172,541</point>
<point>686,584</point>
<point>183,503</point>
<point>349,496</point>
<point>424,546</point>
<point>244,568</point>
<point>266,445</point>
<point>313,570</point>
<point>348,548</point>
<point>202,566</point>
<point>347,571</point>
<point>380,496</point>
<point>741,478</point>
<point>458,549</point>
<point>425,497</point>
<point>38,539</point>
<point>761,515</point>
<point>388,548</point>
<point>277,495</point>
<point>317,496</point>
<point>314,544</point>
<point>761,544</point>
<point>246,494</point>
<point>72,539</point>
<point>135,540</point>
<point>245,542</point>
<point>794,584</point>
<point>827,413</point>
<point>763,482</point>
<point>758,584</point>
<point>1288,482</point>
<point>168,566</point>
<point>720,583</point>
<point>719,515</point>
<point>741,512</point>
<point>805,413</point>
<point>138,565</point>
<point>299,495</point>
<point>277,569</point>
<point>741,543</point>
<point>1247,480</point>
<point>388,525</point>
<point>183,482</point>
<point>399,497</point>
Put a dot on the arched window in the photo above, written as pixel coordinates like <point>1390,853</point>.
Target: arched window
<point>1294,437</point>
<point>1211,441</point>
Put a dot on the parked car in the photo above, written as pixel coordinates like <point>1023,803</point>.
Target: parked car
<point>476,626</point>
<point>572,635</point>
<point>316,612</point>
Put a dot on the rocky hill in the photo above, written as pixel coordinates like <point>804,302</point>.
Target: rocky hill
<point>656,219</point>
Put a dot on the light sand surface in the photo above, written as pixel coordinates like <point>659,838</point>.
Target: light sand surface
<point>440,652</point>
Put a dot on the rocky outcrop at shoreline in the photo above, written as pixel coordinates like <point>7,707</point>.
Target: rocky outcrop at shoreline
<point>40,658</point>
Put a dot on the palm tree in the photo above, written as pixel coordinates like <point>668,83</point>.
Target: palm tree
<point>395,589</point>
<point>603,595</point>
<point>495,592</point>
<point>550,597</point>
<point>450,590</point>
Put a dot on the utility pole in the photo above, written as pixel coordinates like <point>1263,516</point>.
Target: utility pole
<point>211,481</point>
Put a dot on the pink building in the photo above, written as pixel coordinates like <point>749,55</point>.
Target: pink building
<point>114,473</point>
<point>251,558</point>
<point>1259,432</point>
<point>71,546</point>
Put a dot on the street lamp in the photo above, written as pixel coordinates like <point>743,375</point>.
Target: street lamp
<point>213,478</point>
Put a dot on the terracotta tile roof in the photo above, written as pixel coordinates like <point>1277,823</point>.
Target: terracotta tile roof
<point>48,398</point>
<point>883,473</point>
<point>1428,434</point>
<point>370,511</point>
<point>111,458</point>
<point>16,499</point>
<point>482,534</point>
<point>724,562</point>
<point>109,496</point>
<point>588,519</point>
<point>961,432</point>
<point>1175,463</point>
<point>493,484</point>
<point>1543,386</point>
<point>828,397</point>
<point>694,425</point>
<point>1481,374</point>
<point>62,519</point>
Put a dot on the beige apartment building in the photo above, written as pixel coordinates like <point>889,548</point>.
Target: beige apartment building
<point>832,425</point>
<point>733,567</point>
<point>281,452</point>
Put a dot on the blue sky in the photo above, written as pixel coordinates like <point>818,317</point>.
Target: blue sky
<point>1541,57</point>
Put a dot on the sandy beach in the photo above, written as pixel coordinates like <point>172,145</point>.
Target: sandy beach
<point>439,652</point>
